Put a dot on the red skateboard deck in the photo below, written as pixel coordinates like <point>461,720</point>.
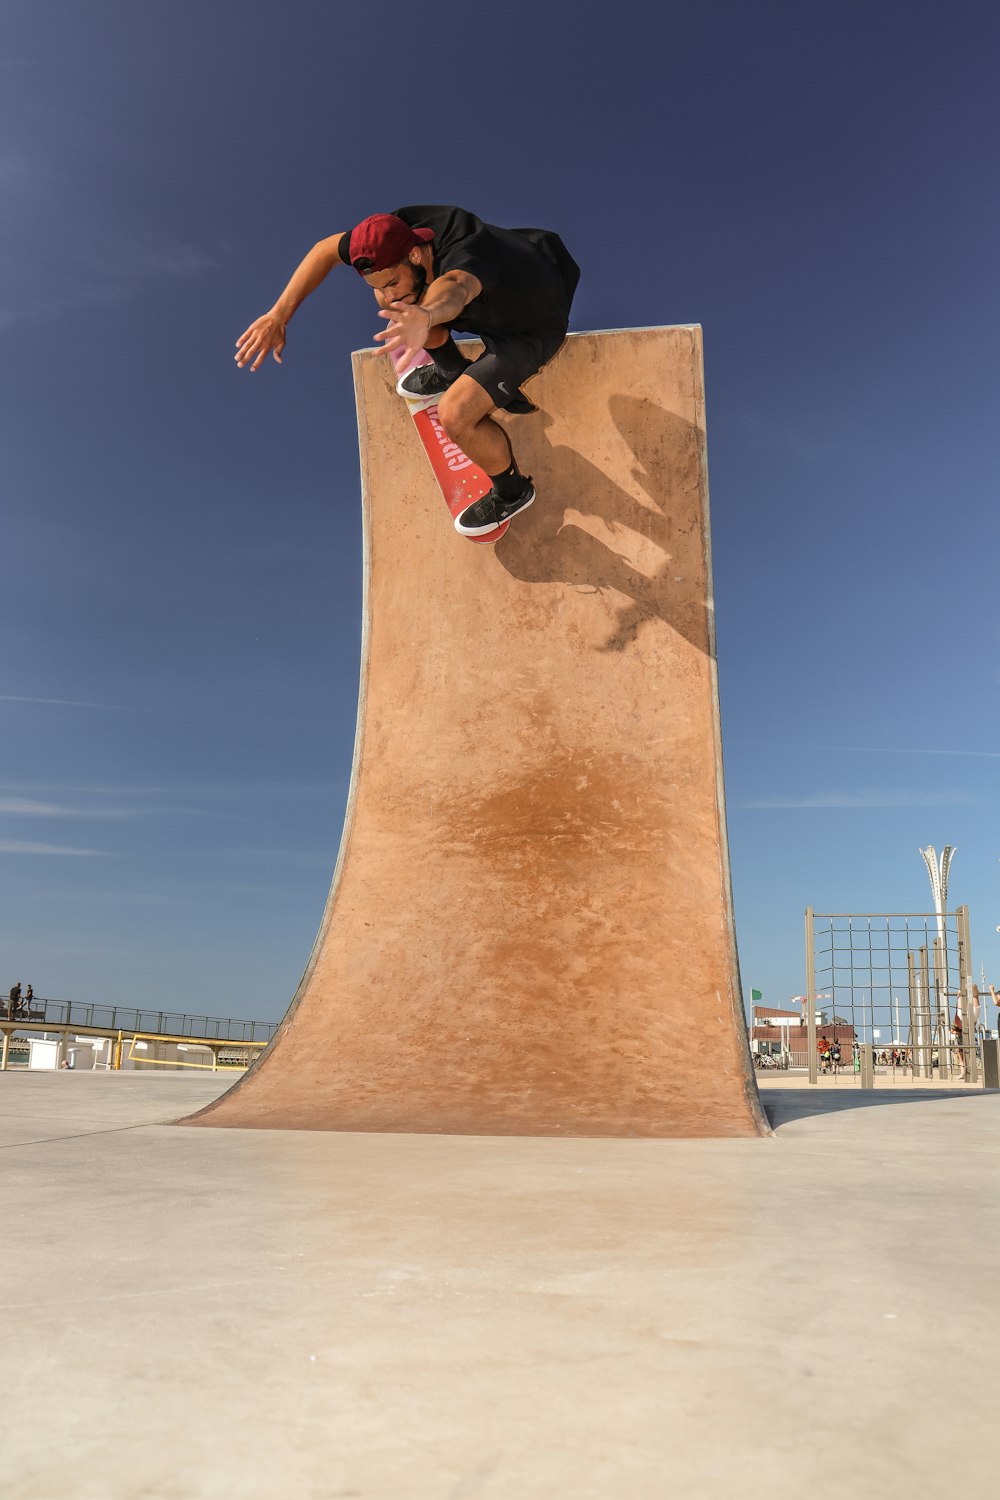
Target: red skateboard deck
<point>461,481</point>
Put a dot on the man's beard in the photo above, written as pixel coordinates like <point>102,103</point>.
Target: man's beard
<point>419,283</point>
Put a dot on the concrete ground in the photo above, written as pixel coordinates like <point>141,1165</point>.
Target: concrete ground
<point>198,1313</point>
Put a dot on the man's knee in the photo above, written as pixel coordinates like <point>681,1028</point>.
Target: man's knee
<point>461,408</point>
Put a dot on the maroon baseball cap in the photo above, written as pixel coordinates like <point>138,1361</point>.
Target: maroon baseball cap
<point>383,241</point>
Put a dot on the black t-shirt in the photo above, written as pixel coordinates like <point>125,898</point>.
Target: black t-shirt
<point>528,276</point>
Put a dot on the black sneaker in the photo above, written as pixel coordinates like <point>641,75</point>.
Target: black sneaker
<point>426,381</point>
<point>491,511</point>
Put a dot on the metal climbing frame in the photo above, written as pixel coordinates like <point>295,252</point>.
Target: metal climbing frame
<point>899,983</point>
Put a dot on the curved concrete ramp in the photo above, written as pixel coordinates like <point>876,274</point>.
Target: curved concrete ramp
<point>530,927</point>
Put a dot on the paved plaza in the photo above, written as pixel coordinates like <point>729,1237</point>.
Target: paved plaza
<point>209,1313</point>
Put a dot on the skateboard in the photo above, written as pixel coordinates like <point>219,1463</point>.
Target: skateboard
<point>461,481</point>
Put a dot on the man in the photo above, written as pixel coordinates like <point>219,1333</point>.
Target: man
<point>434,268</point>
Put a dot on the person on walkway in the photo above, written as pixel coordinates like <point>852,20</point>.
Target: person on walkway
<point>958,1049</point>
<point>14,1001</point>
<point>434,269</point>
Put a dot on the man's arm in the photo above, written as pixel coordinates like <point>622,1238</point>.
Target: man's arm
<point>267,334</point>
<point>445,298</point>
<point>410,323</point>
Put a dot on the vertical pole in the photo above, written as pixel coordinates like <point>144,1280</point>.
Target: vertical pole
<point>871,977</point>
<point>941,1016</point>
<point>963,994</point>
<point>911,1040</point>
<point>5,1052</point>
<point>966,1005</point>
<point>945,984</point>
<point>991,1063</point>
<point>926,1035</point>
<point>970,1037</point>
<point>811,996</point>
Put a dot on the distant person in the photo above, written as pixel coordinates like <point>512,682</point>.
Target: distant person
<point>957,1036</point>
<point>435,268</point>
<point>14,1001</point>
<point>29,999</point>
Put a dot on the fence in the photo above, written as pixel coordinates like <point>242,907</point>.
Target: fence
<point>897,983</point>
<point>114,1018</point>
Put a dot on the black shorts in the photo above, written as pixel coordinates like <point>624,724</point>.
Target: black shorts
<point>510,359</point>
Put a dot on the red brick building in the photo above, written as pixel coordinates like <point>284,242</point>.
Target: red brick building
<point>783,1032</point>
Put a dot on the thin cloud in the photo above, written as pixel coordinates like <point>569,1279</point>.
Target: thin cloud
<point>106,267</point>
<point>24,846</point>
<point>117,898</point>
<point>255,792</point>
<point>910,750</point>
<point>863,799</point>
<point>58,702</point>
<point>869,749</point>
<point>25,807</point>
<point>237,887</point>
<point>30,807</point>
<point>64,249</point>
<point>276,856</point>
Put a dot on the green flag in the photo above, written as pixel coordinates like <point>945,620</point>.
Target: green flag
<point>756,995</point>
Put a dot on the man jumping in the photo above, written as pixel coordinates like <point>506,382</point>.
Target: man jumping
<point>437,268</point>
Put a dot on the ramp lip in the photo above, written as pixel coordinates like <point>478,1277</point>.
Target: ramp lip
<point>575,333</point>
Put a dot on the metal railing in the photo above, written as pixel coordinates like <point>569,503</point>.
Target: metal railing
<point>113,1018</point>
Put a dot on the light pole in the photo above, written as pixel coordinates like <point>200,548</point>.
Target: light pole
<point>939,890</point>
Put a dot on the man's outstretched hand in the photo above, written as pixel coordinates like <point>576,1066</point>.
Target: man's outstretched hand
<point>263,337</point>
<point>409,325</point>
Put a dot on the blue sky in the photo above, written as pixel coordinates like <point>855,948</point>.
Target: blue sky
<point>815,184</point>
